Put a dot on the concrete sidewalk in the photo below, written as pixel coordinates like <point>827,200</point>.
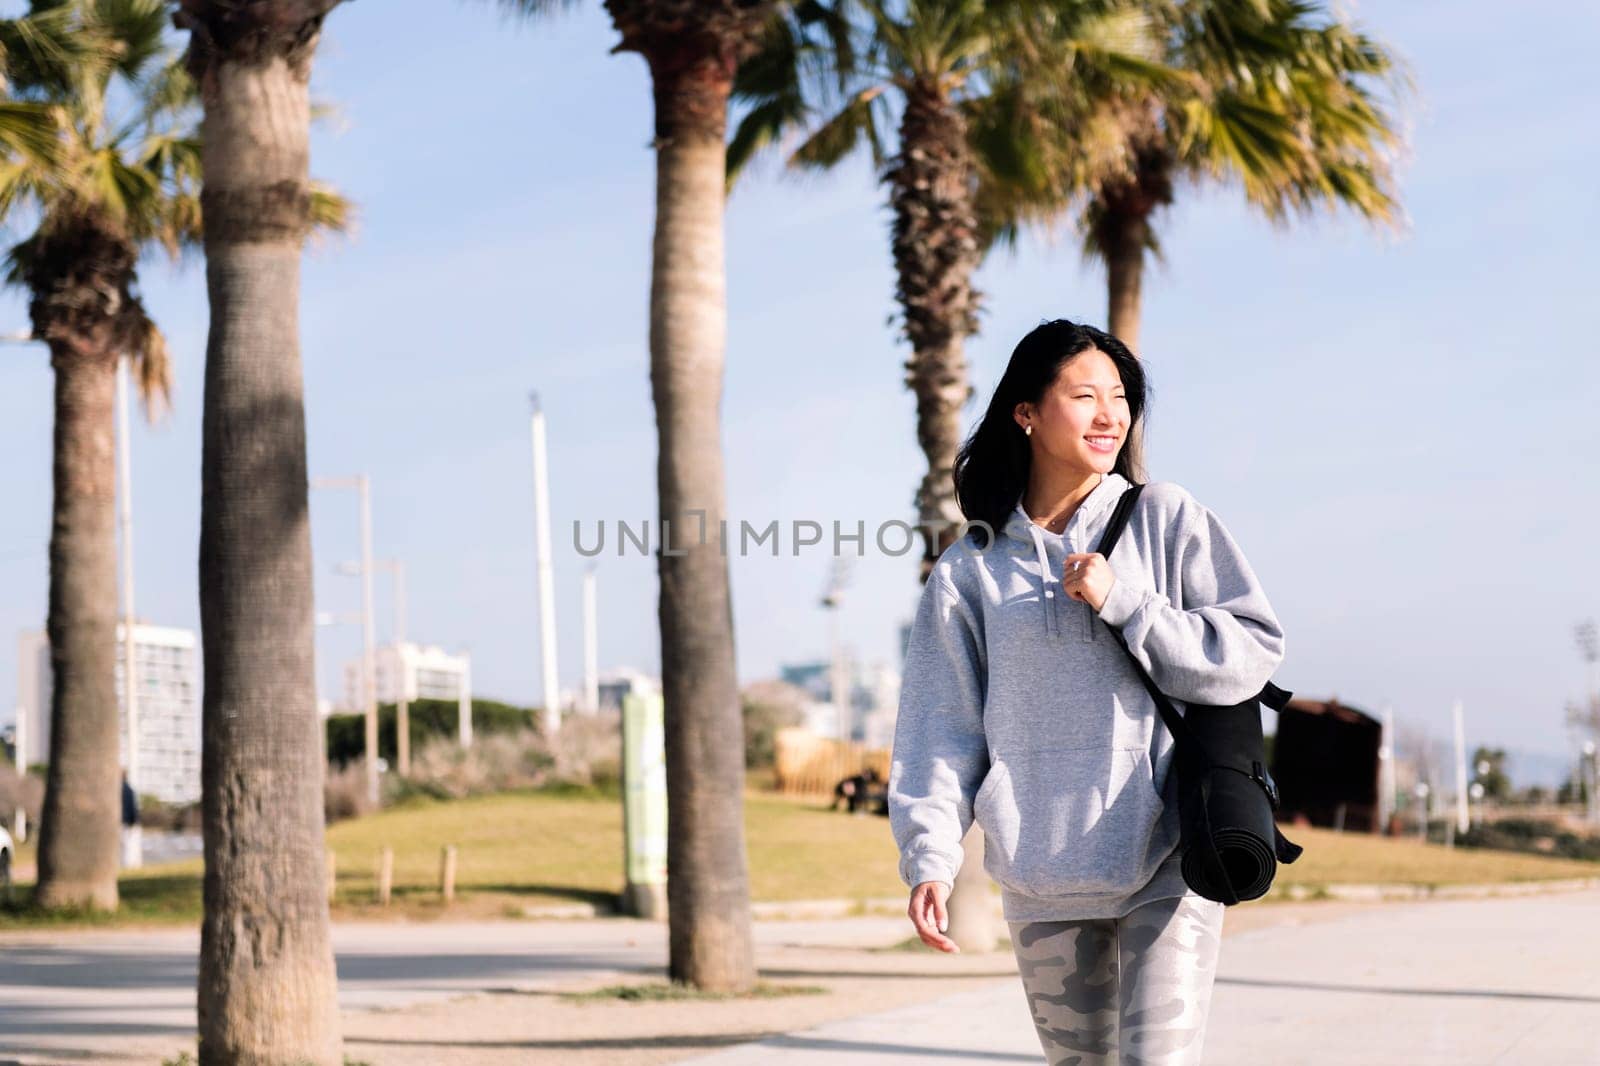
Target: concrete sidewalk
<point>1491,981</point>
<point>1502,981</point>
<point>986,1025</point>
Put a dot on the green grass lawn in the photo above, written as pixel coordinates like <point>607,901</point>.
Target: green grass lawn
<point>521,849</point>
<point>543,848</point>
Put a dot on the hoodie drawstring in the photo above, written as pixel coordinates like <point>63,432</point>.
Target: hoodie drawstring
<point>1048,600</point>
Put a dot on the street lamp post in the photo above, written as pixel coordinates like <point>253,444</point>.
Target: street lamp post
<point>1463,818</point>
<point>545,570</point>
<point>1386,796</point>
<point>838,676</point>
<point>1421,791</point>
<point>20,820</point>
<point>369,684</point>
<point>591,672</point>
<point>1592,806</point>
<point>1586,716</point>
<point>402,719</point>
<point>132,836</point>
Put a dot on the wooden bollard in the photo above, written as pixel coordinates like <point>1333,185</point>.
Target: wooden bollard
<point>385,875</point>
<point>333,874</point>
<point>447,873</point>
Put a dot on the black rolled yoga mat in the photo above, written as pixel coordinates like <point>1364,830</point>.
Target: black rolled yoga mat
<point>1231,843</point>
<point>1241,861</point>
<point>1226,798</point>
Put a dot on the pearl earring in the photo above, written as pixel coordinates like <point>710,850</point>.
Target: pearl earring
<point>1027,431</point>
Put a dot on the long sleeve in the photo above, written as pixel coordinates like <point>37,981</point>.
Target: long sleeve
<point>940,752</point>
<point>1222,646</point>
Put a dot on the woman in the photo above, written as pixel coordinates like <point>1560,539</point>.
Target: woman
<point>1020,711</point>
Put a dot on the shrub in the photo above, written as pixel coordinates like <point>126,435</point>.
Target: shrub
<point>768,706</point>
<point>171,817</point>
<point>344,793</point>
<point>495,763</point>
<point>430,720</point>
<point>1531,835</point>
<point>25,792</point>
<point>585,753</point>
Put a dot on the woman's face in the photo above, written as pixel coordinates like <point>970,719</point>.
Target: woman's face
<point>1082,420</point>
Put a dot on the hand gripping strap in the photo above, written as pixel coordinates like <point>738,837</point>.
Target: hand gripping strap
<point>1169,714</point>
<point>1271,695</point>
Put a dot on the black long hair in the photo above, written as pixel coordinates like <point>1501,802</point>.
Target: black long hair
<point>991,469</point>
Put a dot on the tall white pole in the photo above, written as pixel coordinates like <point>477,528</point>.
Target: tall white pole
<point>464,704</point>
<point>402,662</point>
<point>591,671</point>
<point>1386,771</point>
<point>21,820</point>
<point>369,666</point>
<point>839,676</point>
<point>132,836</point>
<point>130,685</point>
<point>547,602</point>
<point>838,682</point>
<point>21,825</point>
<point>1463,813</point>
<point>1594,781</point>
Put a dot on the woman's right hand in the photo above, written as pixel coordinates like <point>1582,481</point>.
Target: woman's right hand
<point>929,916</point>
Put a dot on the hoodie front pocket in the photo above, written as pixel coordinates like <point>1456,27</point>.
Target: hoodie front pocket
<point>1071,821</point>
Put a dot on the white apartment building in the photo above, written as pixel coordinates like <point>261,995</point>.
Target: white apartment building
<point>167,680</point>
<point>411,672</point>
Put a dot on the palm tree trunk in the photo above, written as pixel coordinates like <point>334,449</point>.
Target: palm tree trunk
<point>708,891</point>
<point>1122,230</point>
<point>1126,236</point>
<point>267,991</point>
<point>78,844</point>
<point>936,252</point>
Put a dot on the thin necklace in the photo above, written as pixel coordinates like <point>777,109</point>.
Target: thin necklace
<point>1051,527</point>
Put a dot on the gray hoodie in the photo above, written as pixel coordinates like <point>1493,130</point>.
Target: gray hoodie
<point>1018,710</point>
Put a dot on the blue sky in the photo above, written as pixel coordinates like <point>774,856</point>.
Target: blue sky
<point>1398,429</point>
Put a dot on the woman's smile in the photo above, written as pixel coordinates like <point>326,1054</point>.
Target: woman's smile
<point>1102,443</point>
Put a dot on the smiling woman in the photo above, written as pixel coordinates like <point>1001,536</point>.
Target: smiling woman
<point>1018,712</point>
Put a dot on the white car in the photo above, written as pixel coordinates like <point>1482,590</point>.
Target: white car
<point>8,851</point>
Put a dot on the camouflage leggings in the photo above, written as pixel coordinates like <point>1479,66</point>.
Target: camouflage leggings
<point>1140,984</point>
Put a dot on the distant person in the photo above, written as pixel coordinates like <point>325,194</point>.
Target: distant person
<point>1020,711</point>
<point>132,833</point>
<point>859,792</point>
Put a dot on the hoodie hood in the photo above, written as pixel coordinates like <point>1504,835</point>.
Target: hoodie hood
<point>1051,549</point>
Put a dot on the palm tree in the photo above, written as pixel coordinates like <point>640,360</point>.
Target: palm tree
<point>113,185</point>
<point>851,71</point>
<point>1293,106</point>
<point>267,990</point>
<point>693,48</point>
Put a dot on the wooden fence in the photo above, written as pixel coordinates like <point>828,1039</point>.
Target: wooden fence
<point>809,765</point>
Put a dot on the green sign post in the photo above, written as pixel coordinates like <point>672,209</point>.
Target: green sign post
<point>644,806</point>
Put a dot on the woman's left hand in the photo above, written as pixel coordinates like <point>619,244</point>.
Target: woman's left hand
<point>1086,576</point>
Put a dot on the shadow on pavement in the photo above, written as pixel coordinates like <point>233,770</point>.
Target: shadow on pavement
<point>1389,990</point>
<point>709,1040</point>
